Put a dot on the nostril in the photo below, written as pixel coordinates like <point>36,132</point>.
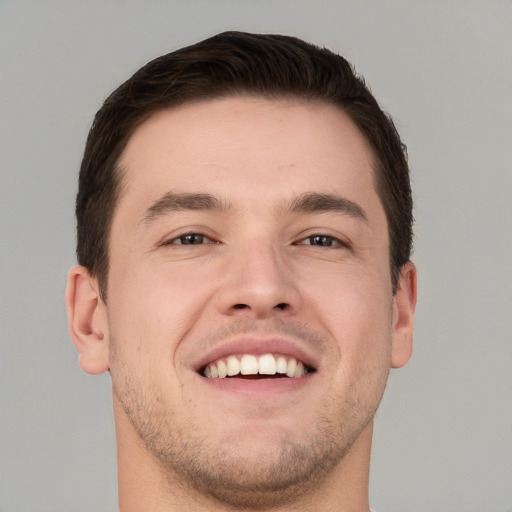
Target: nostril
<point>281,306</point>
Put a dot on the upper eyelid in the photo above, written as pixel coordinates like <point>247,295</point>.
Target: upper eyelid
<point>339,242</point>
<point>342,240</point>
<point>215,238</point>
<point>169,239</point>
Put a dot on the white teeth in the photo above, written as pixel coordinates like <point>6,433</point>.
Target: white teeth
<point>223,369</point>
<point>292,366</point>
<point>281,365</point>
<point>299,370</point>
<point>233,367</point>
<point>248,364</point>
<point>267,365</point>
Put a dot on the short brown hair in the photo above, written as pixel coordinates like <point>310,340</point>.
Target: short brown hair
<point>234,63</point>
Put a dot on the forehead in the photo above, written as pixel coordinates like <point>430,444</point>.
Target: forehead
<point>240,147</point>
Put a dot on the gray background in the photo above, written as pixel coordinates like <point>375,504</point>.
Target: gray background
<point>443,439</point>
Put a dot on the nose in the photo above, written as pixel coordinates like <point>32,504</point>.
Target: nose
<point>258,283</point>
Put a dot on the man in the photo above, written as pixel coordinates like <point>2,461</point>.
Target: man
<point>244,233</point>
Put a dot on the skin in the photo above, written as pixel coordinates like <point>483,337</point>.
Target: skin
<point>316,280</point>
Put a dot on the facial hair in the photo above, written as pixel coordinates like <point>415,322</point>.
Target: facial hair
<point>231,471</point>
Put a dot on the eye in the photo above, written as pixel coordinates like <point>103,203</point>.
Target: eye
<point>189,239</point>
<point>322,241</point>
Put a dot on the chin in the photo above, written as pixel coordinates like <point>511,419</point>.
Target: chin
<point>260,474</point>
<point>259,466</point>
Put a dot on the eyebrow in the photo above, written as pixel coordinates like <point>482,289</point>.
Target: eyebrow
<point>319,203</point>
<point>172,202</point>
<point>306,203</point>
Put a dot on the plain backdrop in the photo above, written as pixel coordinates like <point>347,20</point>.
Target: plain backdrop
<point>443,436</point>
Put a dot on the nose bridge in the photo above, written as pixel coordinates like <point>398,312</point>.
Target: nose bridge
<point>258,281</point>
<point>265,269</point>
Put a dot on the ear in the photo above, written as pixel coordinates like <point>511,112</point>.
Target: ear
<point>404,304</point>
<point>87,320</point>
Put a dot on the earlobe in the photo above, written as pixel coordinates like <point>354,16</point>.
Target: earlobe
<point>87,320</point>
<point>404,306</point>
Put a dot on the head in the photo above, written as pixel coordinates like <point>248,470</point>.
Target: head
<point>231,64</point>
<point>244,229</point>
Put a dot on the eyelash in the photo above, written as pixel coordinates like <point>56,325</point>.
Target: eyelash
<point>180,240</point>
<point>329,241</point>
<point>334,242</point>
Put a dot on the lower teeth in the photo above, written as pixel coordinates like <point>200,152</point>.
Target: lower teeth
<point>257,377</point>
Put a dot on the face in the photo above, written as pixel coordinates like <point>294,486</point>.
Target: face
<point>251,322</point>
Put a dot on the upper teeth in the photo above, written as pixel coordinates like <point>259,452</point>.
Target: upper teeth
<point>248,364</point>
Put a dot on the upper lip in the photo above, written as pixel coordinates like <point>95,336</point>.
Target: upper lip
<point>257,345</point>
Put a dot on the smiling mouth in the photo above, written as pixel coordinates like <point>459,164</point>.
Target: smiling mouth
<point>249,366</point>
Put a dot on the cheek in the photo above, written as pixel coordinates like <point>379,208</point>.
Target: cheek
<point>363,334</point>
<point>354,305</point>
<point>153,309</point>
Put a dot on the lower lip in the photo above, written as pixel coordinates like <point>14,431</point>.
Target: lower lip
<point>256,387</point>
